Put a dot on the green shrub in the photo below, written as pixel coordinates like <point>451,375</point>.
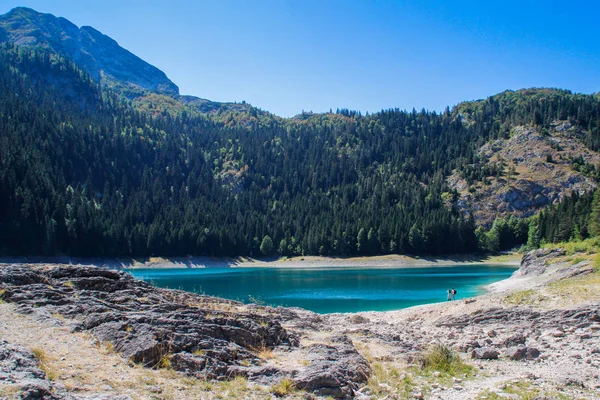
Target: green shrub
<point>442,358</point>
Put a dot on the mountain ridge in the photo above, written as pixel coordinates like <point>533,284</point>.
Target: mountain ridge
<point>98,54</point>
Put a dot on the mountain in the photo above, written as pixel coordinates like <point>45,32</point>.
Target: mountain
<point>110,65</point>
<point>87,171</point>
<point>529,164</point>
<point>95,53</point>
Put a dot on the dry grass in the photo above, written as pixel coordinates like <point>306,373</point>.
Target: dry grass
<point>513,257</point>
<point>521,390</point>
<point>44,363</point>
<point>164,362</point>
<point>58,316</point>
<point>284,387</point>
<point>578,289</point>
<point>84,365</point>
<point>523,297</point>
<point>8,391</point>
<point>264,353</point>
<point>387,381</point>
<point>105,347</point>
<point>199,352</point>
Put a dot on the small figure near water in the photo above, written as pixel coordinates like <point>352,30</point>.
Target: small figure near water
<point>449,295</point>
<point>453,294</point>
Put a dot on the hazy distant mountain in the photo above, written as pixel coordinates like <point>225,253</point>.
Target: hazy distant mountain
<point>94,52</point>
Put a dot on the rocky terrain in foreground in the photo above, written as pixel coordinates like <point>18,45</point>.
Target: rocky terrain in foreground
<point>85,332</point>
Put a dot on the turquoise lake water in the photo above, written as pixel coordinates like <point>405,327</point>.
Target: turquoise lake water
<point>330,290</point>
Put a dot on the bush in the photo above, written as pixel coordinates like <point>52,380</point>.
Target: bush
<point>442,358</point>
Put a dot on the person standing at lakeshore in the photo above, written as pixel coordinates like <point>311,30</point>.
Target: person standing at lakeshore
<point>449,294</point>
<point>453,294</point>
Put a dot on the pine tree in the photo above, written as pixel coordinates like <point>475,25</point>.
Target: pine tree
<point>266,246</point>
<point>594,221</point>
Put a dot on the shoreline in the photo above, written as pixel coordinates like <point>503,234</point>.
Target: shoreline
<point>300,262</point>
<point>488,332</point>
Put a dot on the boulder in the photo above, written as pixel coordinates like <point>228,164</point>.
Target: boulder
<point>514,340</point>
<point>534,262</point>
<point>334,370</point>
<point>485,353</point>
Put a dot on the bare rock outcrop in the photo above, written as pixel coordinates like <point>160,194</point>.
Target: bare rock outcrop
<point>20,368</point>
<point>535,262</point>
<point>334,370</point>
<point>200,336</point>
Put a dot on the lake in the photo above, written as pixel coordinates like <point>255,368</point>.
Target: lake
<point>330,290</point>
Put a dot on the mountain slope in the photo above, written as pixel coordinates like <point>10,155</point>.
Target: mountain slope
<point>85,172</point>
<point>527,171</point>
<point>542,146</point>
<point>97,54</point>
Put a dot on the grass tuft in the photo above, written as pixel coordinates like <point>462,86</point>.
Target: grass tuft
<point>284,387</point>
<point>42,358</point>
<point>577,260</point>
<point>443,359</point>
<point>597,262</point>
<point>264,353</point>
<point>164,362</point>
<point>387,380</point>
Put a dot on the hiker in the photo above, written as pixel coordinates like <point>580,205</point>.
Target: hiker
<point>449,294</point>
<point>453,294</point>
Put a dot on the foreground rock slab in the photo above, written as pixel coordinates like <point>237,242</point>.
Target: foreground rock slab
<point>200,336</point>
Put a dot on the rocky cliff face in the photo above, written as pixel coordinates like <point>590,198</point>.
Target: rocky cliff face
<point>537,170</point>
<point>99,55</point>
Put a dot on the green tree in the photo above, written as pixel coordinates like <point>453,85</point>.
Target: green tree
<point>481,236</point>
<point>415,239</point>
<point>373,246</point>
<point>361,241</point>
<point>594,221</point>
<point>266,246</point>
<point>492,240</point>
<point>533,234</point>
<point>283,247</point>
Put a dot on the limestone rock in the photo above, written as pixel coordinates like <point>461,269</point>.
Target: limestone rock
<point>200,336</point>
<point>333,370</point>
<point>522,352</point>
<point>485,353</point>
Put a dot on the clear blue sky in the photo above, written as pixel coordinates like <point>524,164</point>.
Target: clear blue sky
<point>289,56</point>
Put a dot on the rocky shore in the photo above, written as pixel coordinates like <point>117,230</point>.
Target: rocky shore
<point>89,333</point>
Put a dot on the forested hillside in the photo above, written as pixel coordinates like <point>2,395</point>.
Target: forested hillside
<point>84,172</point>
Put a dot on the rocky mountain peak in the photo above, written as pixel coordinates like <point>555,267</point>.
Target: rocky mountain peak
<point>96,53</point>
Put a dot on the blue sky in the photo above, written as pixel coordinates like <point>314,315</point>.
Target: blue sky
<point>313,55</point>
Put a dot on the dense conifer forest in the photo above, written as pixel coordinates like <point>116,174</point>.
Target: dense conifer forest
<point>84,172</point>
